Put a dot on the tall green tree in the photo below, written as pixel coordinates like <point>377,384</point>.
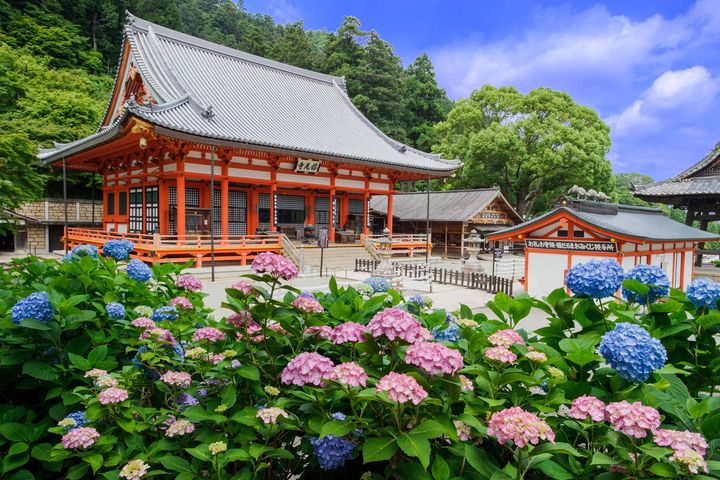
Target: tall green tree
<point>18,183</point>
<point>425,103</point>
<point>380,95</point>
<point>293,46</point>
<point>343,53</point>
<point>532,146</point>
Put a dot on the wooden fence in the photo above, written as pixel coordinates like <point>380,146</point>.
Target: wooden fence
<point>480,281</point>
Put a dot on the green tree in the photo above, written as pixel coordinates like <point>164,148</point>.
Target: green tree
<point>625,184</point>
<point>293,46</point>
<point>425,103</point>
<point>532,146</point>
<point>18,183</point>
<point>343,54</point>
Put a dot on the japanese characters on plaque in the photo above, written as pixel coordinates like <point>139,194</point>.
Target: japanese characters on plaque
<point>606,247</point>
<point>304,165</point>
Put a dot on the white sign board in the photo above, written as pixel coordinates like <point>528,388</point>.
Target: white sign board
<point>304,165</point>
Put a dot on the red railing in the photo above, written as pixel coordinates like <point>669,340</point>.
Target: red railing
<point>181,248</point>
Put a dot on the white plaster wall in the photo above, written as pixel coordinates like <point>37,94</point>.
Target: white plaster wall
<point>678,272</point>
<point>378,186</point>
<point>546,272</point>
<point>628,263</point>
<point>238,172</point>
<point>688,268</point>
<point>341,182</point>
<point>309,179</point>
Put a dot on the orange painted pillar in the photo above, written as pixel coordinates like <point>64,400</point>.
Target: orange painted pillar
<point>390,210</point>
<point>180,207</point>
<point>310,217</point>
<point>366,210</point>
<point>344,210</point>
<point>224,203</point>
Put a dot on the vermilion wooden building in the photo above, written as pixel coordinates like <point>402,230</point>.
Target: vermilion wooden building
<point>580,230</point>
<point>284,148</point>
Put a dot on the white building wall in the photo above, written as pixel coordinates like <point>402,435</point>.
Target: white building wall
<point>546,272</point>
<point>688,268</point>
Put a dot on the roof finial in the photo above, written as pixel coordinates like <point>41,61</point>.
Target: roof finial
<point>208,112</point>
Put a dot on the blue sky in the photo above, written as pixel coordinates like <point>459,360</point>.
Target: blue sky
<point>651,69</point>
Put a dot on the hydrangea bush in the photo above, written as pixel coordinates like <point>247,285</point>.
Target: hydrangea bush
<point>347,383</point>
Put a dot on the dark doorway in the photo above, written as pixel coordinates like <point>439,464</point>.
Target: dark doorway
<point>55,233</point>
<point>7,242</point>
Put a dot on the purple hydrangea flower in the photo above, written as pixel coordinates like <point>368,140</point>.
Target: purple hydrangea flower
<point>36,305</point>
<point>332,452</point>
<point>632,352</point>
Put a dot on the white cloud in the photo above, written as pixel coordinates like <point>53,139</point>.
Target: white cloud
<point>283,11</point>
<point>592,50</point>
<point>674,97</point>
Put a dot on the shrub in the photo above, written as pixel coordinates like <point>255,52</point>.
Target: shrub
<point>361,387</point>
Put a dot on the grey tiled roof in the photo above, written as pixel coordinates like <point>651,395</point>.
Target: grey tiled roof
<point>637,222</point>
<point>701,179</point>
<point>447,206</point>
<point>257,102</point>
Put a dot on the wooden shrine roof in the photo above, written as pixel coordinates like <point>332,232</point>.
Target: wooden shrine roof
<point>445,206</point>
<point>201,90</point>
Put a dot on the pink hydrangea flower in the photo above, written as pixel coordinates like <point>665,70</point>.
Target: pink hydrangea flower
<point>307,304</point>
<point>178,428</point>
<point>134,470</point>
<point>434,358</point>
<point>322,331</point>
<point>244,286</point>
<point>216,358</point>
<point>348,332</point>
<point>350,373</point>
<point>680,440</point>
<point>587,406</point>
<point>521,427</point>
<point>500,354</point>
<point>252,333</point>
<point>95,372</point>
<point>535,356</point>
<point>161,334</point>
<point>112,395</point>
<point>210,334</point>
<point>177,379</point>
<point>401,388</point>
<point>189,282</point>
<point>466,385</point>
<point>463,431</point>
<point>691,459</point>
<point>506,338</point>
<point>243,318</point>
<point>182,302</point>
<point>105,381</point>
<point>270,415</point>
<point>632,419</point>
<point>275,327</point>
<point>81,437</point>
<point>395,323</point>
<point>307,368</point>
<point>275,265</point>
<point>143,322</point>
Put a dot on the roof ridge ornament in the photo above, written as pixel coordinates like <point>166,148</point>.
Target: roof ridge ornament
<point>208,113</point>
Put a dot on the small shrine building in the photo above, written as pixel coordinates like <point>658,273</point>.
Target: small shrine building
<point>581,230</point>
<point>201,142</point>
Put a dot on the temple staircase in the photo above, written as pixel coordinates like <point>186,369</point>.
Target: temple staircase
<point>335,258</point>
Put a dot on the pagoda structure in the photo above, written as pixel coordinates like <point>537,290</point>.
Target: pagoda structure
<point>204,143</point>
<point>696,190</point>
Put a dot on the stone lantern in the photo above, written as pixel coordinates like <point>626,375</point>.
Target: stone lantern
<point>474,243</point>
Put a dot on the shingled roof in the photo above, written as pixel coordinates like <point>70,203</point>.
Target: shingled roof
<point>639,223</point>
<point>210,91</point>
<point>700,180</point>
<point>445,206</point>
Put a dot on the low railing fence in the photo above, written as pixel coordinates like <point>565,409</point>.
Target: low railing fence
<point>480,281</point>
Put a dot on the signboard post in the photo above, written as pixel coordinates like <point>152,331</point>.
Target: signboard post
<point>323,240</point>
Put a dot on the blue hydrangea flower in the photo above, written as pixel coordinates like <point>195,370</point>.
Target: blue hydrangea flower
<point>338,416</point>
<point>115,310</point>
<point>81,251</point>
<point>632,352</point>
<point>118,249</point>
<point>179,351</point>
<point>450,318</point>
<point>378,284</point>
<point>168,313</point>
<point>417,300</point>
<point>595,279</point>
<point>703,292</point>
<point>138,271</point>
<point>332,452</point>
<point>79,418</point>
<point>447,333</point>
<point>36,305</point>
<point>650,275</point>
